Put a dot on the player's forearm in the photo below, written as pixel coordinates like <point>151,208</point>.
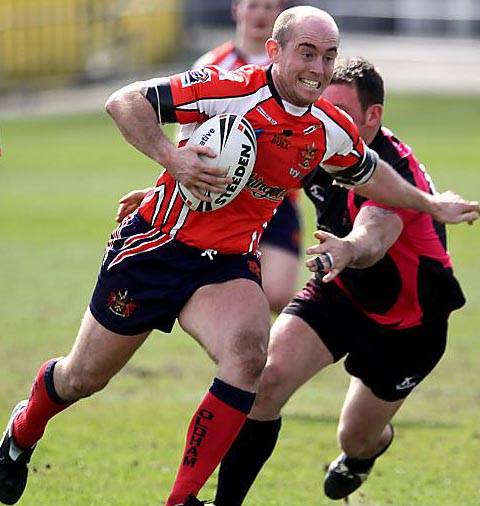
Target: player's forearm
<point>388,187</point>
<point>136,119</point>
<point>374,232</point>
<point>364,251</point>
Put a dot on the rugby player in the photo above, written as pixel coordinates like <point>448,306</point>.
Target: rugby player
<point>381,296</point>
<point>280,243</point>
<point>167,262</point>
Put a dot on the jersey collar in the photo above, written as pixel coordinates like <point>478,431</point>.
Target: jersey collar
<point>294,110</point>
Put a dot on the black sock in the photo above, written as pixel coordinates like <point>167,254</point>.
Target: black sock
<point>364,465</point>
<point>244,460</point>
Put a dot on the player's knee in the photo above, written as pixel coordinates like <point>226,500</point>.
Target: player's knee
<point>274,377</point>
<point>251,353</point>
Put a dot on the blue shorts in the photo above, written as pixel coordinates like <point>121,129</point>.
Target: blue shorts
<point>147,277</point>
<point>283,231</point>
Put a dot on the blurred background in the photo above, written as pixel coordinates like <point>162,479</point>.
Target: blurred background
<point>81,45</point>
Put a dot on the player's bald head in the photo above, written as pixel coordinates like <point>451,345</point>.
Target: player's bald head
<point>296,17</point>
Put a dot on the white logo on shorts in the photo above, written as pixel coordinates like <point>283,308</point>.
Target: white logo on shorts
<point>408,382</point>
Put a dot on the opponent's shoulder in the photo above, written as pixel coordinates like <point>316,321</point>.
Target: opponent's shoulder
<point>398,154</point>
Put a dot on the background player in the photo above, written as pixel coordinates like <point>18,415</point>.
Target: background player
<point>384,305</point>
<point>280,244</point>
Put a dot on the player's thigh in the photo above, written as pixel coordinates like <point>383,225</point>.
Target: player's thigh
<point>295,354</point>
<point>280,270</point>
<point>364,415</point>
<point>97,353</point>
<point>231,320</point>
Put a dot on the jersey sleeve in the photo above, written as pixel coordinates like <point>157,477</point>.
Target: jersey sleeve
<point>195,95</point>
<point>347,158</point>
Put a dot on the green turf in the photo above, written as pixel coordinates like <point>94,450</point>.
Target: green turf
<point>59,183</point>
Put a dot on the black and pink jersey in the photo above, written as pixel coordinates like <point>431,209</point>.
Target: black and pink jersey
<point>291,142</point>
<point>415,277</point>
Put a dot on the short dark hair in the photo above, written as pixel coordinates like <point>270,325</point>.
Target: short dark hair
<point>282,28</point>
<point>364,76</point>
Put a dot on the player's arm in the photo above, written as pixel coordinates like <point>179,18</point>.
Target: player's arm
<point>374,232</point>
<point>137,121</point>
<point>386,186</point>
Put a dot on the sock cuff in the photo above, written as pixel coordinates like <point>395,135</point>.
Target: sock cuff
<point>49,383</point>
<point>262,426</point>
<point>233,396</point>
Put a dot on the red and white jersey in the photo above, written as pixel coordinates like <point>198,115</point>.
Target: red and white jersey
<point>291,142</point>
<point>229,57</point>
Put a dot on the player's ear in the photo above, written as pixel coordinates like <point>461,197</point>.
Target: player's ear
<point>374,115</point>
<point>273,48</point>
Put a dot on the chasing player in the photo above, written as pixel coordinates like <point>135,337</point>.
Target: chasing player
<point>381,297</point>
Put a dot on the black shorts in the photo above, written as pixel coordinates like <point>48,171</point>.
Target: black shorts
<point>284,229</point>
<point>390,362</point>
<point>147,277</point>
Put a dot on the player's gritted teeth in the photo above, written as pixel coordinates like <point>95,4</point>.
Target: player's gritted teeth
<point>310,83</point>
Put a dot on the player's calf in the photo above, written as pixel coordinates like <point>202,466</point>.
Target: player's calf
<point>346,474</point>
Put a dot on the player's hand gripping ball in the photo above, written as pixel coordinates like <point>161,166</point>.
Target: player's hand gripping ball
<point>233,140</point>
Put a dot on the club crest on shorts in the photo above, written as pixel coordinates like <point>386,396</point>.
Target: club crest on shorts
<point>254,268</point>
<point>121,304</point>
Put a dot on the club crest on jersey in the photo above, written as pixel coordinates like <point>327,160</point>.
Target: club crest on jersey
<point>195,76</point>
<point>121,304</point>
<point>307,156</point>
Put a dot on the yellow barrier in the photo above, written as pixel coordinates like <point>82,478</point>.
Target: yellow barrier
<point>65,39</point>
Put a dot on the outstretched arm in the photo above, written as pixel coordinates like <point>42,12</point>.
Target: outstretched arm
<point>387,187</point>
<point>374,231</point>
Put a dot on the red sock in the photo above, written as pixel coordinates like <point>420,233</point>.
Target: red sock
<point>213,429</point>
<point>43,404</point>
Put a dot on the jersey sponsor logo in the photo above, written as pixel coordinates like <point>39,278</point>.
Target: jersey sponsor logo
<point>262,111</point>
<point>200,430</point>
<point>307,156</point>
<point>408,382</point>
<point>295,173</point>
<point>260,190</point>
<point>195,76</point>
<point>121,304</point>
<point>281,141</point>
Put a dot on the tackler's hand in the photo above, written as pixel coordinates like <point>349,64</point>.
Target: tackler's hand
<point>332,255</point>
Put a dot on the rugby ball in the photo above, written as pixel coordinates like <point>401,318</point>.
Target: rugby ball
<point>233,140</point>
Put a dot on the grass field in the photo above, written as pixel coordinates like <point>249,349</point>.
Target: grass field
<point>59,183</point>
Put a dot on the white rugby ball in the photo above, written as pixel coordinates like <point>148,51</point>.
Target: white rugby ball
<point>233,140</point>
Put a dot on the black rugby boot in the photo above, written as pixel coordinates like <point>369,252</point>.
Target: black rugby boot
<point>13,462</point>
<point>340,481</point>
<point>346,474</point>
